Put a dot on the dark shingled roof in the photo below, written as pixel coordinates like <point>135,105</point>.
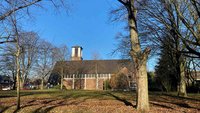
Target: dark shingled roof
<point>91,66</point>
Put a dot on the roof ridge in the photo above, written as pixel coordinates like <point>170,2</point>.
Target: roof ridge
<point>96,60</point>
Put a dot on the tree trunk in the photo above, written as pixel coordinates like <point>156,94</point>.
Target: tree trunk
<point>21,84</point>
<point>18,76</point>
<point>61,78</point>
<point>14,81</point>
<point>96,71</point>
<point>42,84</point>
<point>142,89</point>
<point>180,68</point>
<point>138,56</point>
<point>97,82</point>
<point>182,83</point>
<point>140,60</point>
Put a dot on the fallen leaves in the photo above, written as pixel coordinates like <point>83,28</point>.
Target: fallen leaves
<point>95,102</point>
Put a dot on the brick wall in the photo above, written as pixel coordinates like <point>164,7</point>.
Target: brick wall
<point>80,84</point>
<point>67,83</point>
<point>101,82</point>
<point>90,84</point>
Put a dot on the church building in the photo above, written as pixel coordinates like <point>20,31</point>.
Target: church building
<point>91,74</point>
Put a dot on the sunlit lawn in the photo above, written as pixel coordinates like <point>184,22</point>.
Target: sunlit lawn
<point>79,101</point>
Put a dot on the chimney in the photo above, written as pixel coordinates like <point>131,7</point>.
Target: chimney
<point>76,53</point>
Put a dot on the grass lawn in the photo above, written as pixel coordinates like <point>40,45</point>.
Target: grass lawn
<point>79,101</point>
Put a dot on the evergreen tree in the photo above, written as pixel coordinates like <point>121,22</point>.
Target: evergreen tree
<point>166,73</point>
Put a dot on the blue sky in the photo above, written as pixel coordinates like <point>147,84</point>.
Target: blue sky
<point>87,24</point>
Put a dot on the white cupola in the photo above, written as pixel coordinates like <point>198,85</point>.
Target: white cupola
<point>76,53</point>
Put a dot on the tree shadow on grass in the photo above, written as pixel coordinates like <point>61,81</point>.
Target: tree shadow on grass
<point>180,102</point>
<point>6,108</point>
<point>48,101</point>
<point>180,97</point>
<point>22,107</point>
<point>7,96</point>
<point>185,105</point>
<point>47,104</point>
<point>28,104</point>
<point>160,105</point>
<point>127,103</point>
<point>76,99</point>
<point>24,93</point>
<point>85,96</point>
<point>44,109</point>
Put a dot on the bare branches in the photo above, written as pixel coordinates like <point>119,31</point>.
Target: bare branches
<point>196,5</point>
<point>119,14</point>
<point>9,12</point>
<point>124,2</point>
<point>19,8</point>
<point>176,20</point>
<point>7,41</point>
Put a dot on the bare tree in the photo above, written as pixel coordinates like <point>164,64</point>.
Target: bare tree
<point>189,17</point>
<point>8,62</point>
<point>123,46</point>
<point>29,45</point>
<point>156,20</point>
<point>11,6</point>
<point>45,60</point>
<point>17,54</point>
<point>96,57</point>
<point>61,54</point>
<point>10,32</point>
<point>178,20</point>
<point>138,56</point>
<point>22,7</point>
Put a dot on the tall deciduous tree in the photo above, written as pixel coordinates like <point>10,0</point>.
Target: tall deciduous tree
<point>10,10</point>
<point>45,61</point>
<point>176,18</point>
<point>13,20</point>
<point>138,56</point>
<point>29,42</point>
<point>96,65</point>
<point>8,62</point>
<point>61,54</point>
<point>179,21</point>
